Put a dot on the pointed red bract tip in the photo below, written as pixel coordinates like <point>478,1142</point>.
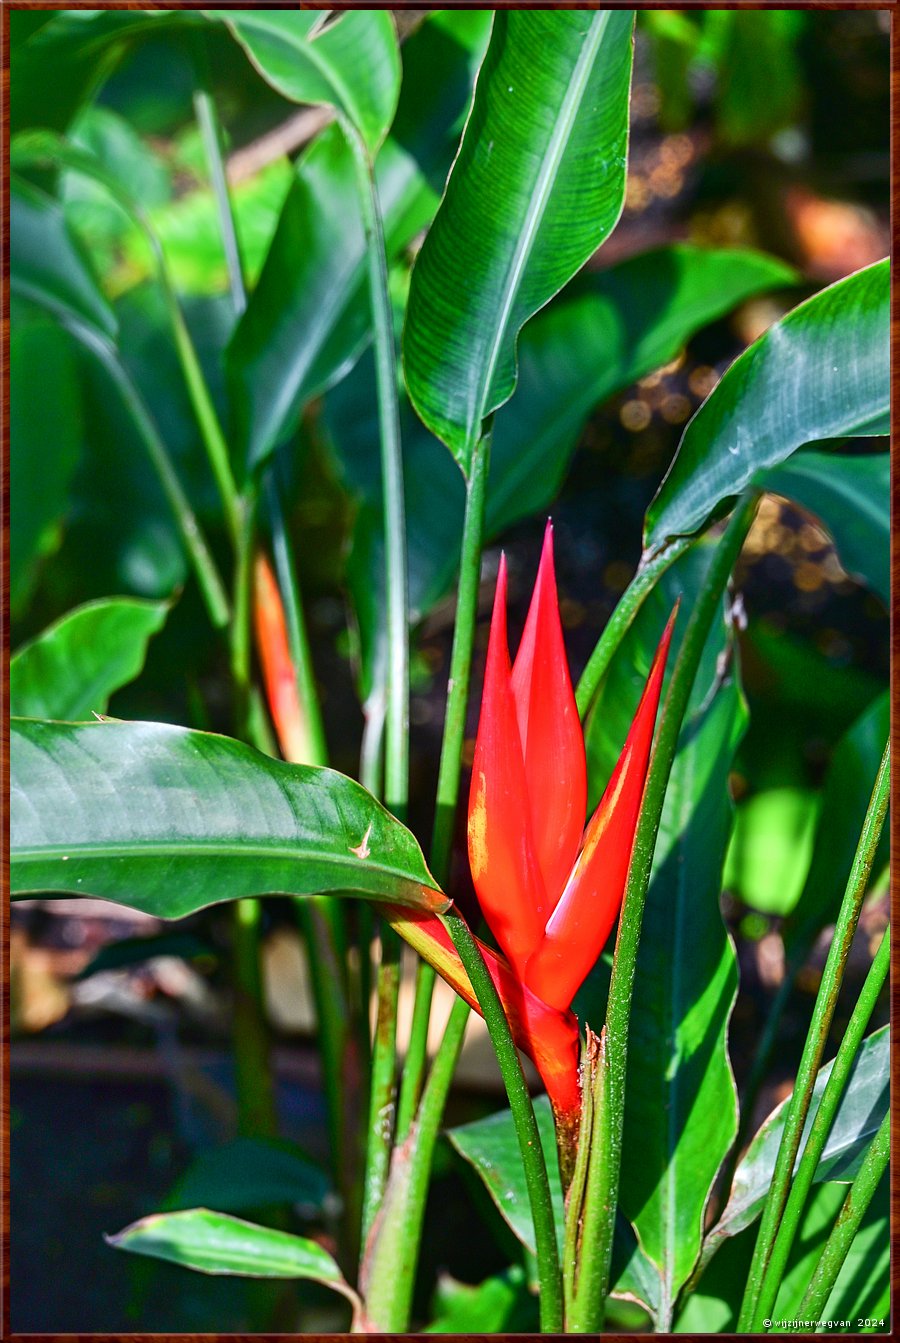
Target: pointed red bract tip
<point>581,922</point>
<point>505,871</point>
<point>550,730</point>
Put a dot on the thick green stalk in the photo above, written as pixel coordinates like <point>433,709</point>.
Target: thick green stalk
<point>383,1081</point>
<point>751,1308</point>
<point>821,1125</point>
<point>451,758</point>
<point>859,1196</point>
<point>255,1093</point>
<point>626,609</point>
<point>591,1064</point>
<point>241,614</point>
<point>211,585</point>
<point>607,1150</point>
<point>530,1149</point>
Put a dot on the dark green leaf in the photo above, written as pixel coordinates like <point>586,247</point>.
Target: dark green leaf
<point>845,797</point>
<point>47,265</point>
<point>45,440</point>
<point>71,669</point>
<point>212,1242</point>
<point>821,372</point>
<point>167,820</point>
<point>851,498</point>
<point>351,64</point>
<point>548,136</point>
<point>861,1110</point>
<point>129,951</point>
<point>492,1149</point>
<point>681,1104</point>
<point>250,1173</point>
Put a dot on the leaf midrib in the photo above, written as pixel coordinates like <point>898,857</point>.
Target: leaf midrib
<point>538,202</point>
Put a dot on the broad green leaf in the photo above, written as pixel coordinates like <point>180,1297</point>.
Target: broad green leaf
<point>602,333</point>
<point>771,847</point>
<point>47,265</point>
<point>250,1173</point>
<point>351,63</point>
<point>548,136</point>
<point>128,951</point>
<point>861,1110</point>
<point>491,1148</point>
<point>501,1304</point>
<point>308,318</point>
<point>71,669</point>
<point>681,1112</point>
<point>851,498</point>
<point>212,1242</point>
<point>820,372</point>
<point>168,820</point>
<point>862,1289</point>
<point>45,430</point>
<point>845,797</point>
<point>751,108</point>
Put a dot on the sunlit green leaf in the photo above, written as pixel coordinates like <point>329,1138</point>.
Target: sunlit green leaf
<point>771,401</point>
<point>168,820</point>
<point>71,669</point>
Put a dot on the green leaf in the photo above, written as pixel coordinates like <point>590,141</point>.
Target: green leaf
<point>861,1110</point>
<point>71,669</point>
<point>351,64</point>
<point>212,1242</point>
<point>681,1105</point>
<point>601,334</point>
<point>490,1146</point>
<point>845,797</point>
<point>167,820</point>
<point>548,136</point>
<point>46,262</point>
<point>851,498</point>
<point>501,1304</point>
<point>308,318</point>
<point>820,372</point>
<point>128,951</point>
<point>771,848</point>
<point>250,1173</point>
<point>45,431</point>
<point>862,1288</point>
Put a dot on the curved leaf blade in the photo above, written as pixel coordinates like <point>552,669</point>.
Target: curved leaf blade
<point>168,820</point>
<point>548,136</point>
<point>821,372</point>
<point>250,1173</point>
<point>851,497</point>
<point>681,1102</point>
<point>71,669</point>
<point>859,1115</point>
<point>213,1242</point>
<point>351,64</point>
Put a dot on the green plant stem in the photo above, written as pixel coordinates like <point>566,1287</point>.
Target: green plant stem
<point>591,1063</point>
<point>211,585</point>
<point>627,608</point>
<point>530,1149</point>
<point>211,136</point>
<point>451,758</point>
<point>396,764</point>
<point>751,1308</point>
<point>821,1125</point>
<point>859,1196</point>
<point>255,1095</point>
<point>241,615</point>
<point>607,1151</point>
<point>389,1268</point>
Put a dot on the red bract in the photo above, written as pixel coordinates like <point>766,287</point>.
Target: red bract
<point>549,889</point>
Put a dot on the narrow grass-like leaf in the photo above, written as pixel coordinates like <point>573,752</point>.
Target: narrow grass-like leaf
<point>168,820</point>
<point>771,401</point>
<point>547,135</point>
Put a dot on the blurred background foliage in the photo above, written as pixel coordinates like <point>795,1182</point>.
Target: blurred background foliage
<point>767,129</point>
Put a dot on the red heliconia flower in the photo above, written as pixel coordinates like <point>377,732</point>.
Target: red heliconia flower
<point>549,888</point>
